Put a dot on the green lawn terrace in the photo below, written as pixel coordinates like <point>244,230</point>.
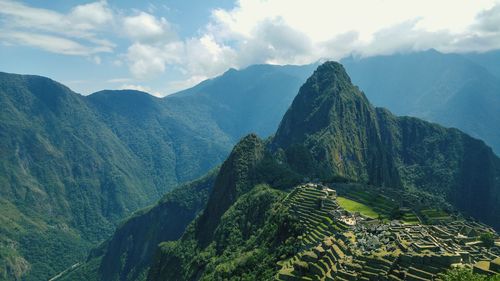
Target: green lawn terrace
<point>340,245</point>
<point>408,206</point>
<point>356,207</point>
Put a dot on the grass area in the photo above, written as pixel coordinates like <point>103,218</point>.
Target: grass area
<point>484,265</point>
<point>377,202</point>
<point>383,206</point>
<point>353,206</point>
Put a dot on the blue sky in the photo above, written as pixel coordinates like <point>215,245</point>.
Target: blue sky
<point>165,46</point>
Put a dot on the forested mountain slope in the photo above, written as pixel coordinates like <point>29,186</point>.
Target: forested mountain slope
<point>73,166</point>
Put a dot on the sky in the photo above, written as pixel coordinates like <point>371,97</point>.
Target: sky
<point>165,46</point>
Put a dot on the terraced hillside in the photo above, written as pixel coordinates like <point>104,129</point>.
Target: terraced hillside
<point>339,245</point>
<point>315,211</point>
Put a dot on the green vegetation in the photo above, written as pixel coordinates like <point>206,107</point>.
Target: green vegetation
<point>316,223</point>
<point>488,239</point>
<point>251,238</point>
<point>329,131</point>
<point>434,215</point>
<point>353,206</point>
<point>72,167</point>
<point>465,274</point>
<point>410,218</point>
<point>135,240</point>
<point>357,198</point>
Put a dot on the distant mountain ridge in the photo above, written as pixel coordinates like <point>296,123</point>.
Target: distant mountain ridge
<point>455,90</point>
<point>258,87</point>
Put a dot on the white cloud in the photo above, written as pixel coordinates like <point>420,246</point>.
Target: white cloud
<point>275,42</point>
<point>204,56</point>
<point>271,31</point>
<point>281,31</point>
<point>147,61</point>
<point>76,30</point>
<point>146,27</point>
<point>91,16</point>
<point>141,88</point>
<point>53,44</point>
<point>193,57</point>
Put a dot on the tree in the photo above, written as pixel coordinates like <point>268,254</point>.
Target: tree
<point>488,239</point>
<point>463,274</point>
<point>396,213</point>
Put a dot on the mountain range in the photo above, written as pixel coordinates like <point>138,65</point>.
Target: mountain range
<point>330,133</point>
<point>72,167</point>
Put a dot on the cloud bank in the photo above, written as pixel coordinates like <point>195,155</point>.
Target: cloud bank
<point>272,31</point>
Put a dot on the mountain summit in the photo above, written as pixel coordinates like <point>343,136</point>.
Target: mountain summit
<point>322,99</point>
<point>332,120</point>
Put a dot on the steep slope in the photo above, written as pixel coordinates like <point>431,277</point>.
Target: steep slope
<point>332,122</point>
<point>172,149</point>
<point>128,253</point>
<point>236,177</point>
<point>63,171</point>
<point>461,91</point>
<point>381,149</point>
<point>238,230</point>
<point>414,153</point>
